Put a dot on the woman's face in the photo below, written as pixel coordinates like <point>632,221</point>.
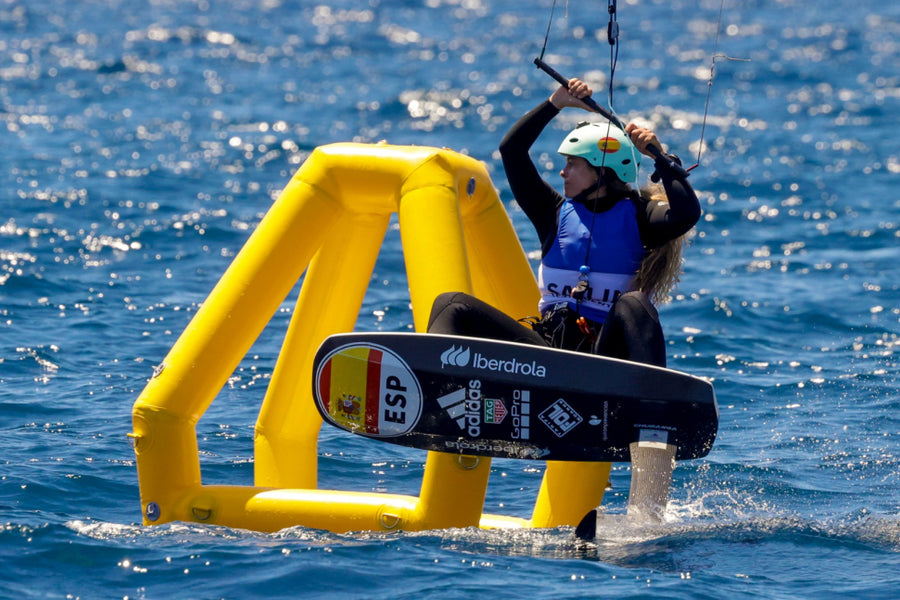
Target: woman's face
<point>578,175</point>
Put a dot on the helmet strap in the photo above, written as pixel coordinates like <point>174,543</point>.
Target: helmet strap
<point>584,194</point>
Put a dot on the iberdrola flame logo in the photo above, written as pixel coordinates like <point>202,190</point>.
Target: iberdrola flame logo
<point>457,357</point>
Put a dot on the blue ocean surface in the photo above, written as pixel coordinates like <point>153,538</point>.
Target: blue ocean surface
<point>143,141</point>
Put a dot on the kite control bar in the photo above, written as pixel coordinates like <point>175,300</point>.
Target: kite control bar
<point>592,104</point>
<point>658,154</point>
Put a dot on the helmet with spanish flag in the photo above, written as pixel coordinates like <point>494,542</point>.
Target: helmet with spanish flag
<point>604,145</point>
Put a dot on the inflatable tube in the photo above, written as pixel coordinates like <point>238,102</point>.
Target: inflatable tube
<point>448,211</point>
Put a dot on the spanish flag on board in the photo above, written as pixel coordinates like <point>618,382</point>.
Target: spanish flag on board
<point>369,389</point>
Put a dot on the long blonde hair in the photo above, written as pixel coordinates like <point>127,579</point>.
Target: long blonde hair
<point>661,267</point>
<point>660,270</point>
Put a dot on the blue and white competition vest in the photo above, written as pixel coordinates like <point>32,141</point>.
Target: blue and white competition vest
<point>615,256</point>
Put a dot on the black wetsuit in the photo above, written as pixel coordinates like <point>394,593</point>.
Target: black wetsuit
<point>657,222</point>
<point>632,330</point>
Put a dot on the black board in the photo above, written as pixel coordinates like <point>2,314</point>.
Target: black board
<point>489,398</point>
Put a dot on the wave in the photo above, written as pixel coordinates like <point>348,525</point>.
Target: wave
<point>617,534</point>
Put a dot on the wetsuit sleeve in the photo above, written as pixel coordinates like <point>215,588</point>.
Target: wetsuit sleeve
<point>538,199</point>
<point>667,221</point>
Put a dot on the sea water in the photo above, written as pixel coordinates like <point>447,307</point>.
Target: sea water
<point>143,141</point>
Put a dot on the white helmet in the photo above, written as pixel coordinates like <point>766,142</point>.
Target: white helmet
<point>604,145</point>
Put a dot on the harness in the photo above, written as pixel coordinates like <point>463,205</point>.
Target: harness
<point>592,259</point>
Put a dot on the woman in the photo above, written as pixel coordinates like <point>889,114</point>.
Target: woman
<point>607,251</point>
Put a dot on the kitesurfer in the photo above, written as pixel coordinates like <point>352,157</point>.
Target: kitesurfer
<point>608,251</point>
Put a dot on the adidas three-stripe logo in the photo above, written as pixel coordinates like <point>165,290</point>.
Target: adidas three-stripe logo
<point>455,405</point>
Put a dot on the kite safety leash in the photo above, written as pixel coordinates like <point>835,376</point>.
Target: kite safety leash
<point>709,82</point>
<point>547,35</point>
<point>612,36</point>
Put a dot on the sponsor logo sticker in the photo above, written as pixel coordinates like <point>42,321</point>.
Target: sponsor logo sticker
<point>463,357</point>
<point>494,411</point>
<point>456,357</point>
<point>496,448</point>
<point>521,414</point>
<point>560,418</point>
<point>464,407</point>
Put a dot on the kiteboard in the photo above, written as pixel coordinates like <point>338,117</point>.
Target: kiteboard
<point>501,399</point>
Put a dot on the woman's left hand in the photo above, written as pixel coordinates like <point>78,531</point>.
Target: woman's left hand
<point>642,137</point>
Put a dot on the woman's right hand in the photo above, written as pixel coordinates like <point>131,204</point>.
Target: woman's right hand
<point>572,95</point>
<point>643,138</point>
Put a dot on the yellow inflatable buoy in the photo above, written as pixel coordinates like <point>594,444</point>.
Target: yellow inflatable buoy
<point>329,222</point>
